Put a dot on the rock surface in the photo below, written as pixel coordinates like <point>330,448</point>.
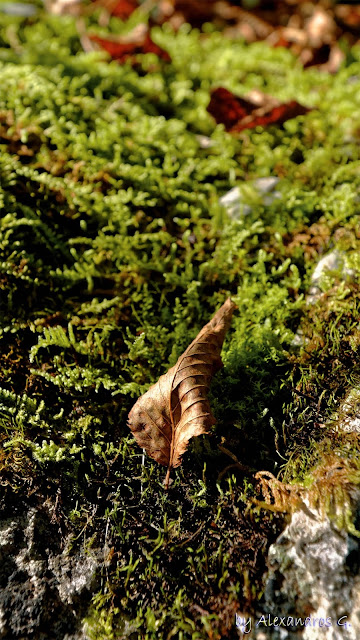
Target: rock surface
<point>45,588</point>
<point>331,262</point>
<point>314,575</point>
<point>347,417</point>
<point>233,200</point>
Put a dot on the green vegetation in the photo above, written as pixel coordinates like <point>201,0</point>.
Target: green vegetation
<point>115,250</point>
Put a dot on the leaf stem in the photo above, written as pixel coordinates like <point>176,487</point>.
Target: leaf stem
<point>167,478</point>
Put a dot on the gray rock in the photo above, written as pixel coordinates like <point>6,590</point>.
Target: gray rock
<point>45,588</point>
<point>267,185</point>
<point>314,575</point>
<point>334,261</point>
<point>331,262</point>
<point>233,200</point>
<point>347,417</point>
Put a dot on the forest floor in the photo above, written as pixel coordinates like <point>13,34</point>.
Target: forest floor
<point>216,155</point>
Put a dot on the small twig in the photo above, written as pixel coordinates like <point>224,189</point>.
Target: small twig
<point>227,452</point>
<point>192,537</point>
<point>58,496</point>
<point>303,395</point>
<point>237,465</point>
<point>200,610</point>
<point>90,518</point>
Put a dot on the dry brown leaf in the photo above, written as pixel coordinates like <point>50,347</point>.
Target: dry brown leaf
<point>176,408</point>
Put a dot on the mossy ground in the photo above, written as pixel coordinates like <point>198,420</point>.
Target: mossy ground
<point>114,253</point>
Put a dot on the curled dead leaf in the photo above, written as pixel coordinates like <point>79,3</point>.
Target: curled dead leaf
<point>176,408</point>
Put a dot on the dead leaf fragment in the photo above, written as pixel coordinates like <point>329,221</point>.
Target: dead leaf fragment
<point>122,48</point>
<point>176,408</point>
<point>255,110</point>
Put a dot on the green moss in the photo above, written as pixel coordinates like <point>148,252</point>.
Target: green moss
<point>114,251</point>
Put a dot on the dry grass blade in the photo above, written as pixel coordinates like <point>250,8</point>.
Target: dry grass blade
<point>176,408</point>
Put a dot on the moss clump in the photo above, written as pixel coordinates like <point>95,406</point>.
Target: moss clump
<point>115,251</point>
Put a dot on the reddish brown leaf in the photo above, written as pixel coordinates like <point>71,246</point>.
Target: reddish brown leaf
<point>227,108</point>
<point>121,49</point>
<point>349,17</point>
<point>121,8</point>
<point>240,113</point>
<point>176,408</point>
